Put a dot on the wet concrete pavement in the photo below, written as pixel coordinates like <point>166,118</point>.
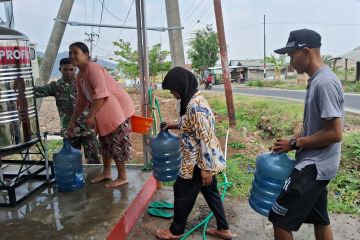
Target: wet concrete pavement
<point>89,213</point>
<point>244,222</point>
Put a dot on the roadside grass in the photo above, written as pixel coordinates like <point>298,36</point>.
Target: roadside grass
<point>291,84</point>
<point>344,191</point>
<point>275,118</point>
<point>351,86</point>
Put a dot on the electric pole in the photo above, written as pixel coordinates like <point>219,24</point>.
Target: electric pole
<point>224,62</point>
<point>175,35</point>
<point>264,51</point>
<point>91,40</point>
<point>55,40</point>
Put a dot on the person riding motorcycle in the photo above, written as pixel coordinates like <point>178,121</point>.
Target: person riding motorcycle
<point>209,81</point>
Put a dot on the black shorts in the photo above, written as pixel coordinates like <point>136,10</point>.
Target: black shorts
<point>303,200</point>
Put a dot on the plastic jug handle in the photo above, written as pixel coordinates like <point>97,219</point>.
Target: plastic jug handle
<point>162,126</point>
<point>66,143</point>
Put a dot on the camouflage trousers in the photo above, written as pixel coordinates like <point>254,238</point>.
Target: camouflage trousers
<point>90,145</point>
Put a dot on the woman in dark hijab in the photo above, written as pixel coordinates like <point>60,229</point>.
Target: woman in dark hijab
<point>202,159</point>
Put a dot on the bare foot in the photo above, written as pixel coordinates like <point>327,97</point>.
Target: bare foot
<point>101,178</point>
<point>116,183</point>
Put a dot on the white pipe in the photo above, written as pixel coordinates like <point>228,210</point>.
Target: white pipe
<point>226,143</point>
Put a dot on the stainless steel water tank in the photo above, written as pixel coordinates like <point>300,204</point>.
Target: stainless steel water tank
<point>19,127</point>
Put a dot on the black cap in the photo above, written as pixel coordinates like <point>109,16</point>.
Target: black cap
<point>299,39</point>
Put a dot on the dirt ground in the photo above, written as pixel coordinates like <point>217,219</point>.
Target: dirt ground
<point>244,222</point>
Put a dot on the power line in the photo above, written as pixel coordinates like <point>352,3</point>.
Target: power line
<point>188,16</point>
<point>244,27</point>
<point>101,18</point>
<point>126,18</point>
<point>113,15</point>
<point>197,20</point>
<point>101,14</point>
<point>313,23</point>
<point>194,21</point>
<point>85,13</point>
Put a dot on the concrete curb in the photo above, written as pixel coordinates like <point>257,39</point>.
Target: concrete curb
<point>123,228</point>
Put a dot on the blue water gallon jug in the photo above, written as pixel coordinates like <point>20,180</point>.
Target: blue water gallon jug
<point>166,155</point>
<point>69,175</point>
<point>271,171</point>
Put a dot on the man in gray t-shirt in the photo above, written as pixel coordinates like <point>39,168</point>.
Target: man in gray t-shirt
<point>318,146</point>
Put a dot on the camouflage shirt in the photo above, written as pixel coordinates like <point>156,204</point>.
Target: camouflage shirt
<point>65,96</point>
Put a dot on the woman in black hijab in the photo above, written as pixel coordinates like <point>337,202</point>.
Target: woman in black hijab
<point>202,156</point>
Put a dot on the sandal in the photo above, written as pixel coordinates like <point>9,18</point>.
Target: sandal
<point>165,234</point>
<point>162,204</point>
<point>160,213</point>
<point>217,233</point>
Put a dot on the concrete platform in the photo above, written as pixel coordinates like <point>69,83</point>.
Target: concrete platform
<point>90,213</point>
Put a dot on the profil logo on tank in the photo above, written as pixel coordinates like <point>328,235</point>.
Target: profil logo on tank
<point>14,55</point>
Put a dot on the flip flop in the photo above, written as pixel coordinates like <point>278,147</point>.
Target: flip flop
<point>160,213</point>
<point>214,233</point>
<point>162,204</point>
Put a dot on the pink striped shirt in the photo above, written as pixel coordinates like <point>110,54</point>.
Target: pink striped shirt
<point>96,83</point>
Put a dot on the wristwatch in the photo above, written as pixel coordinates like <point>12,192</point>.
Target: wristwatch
<point>293,143</point>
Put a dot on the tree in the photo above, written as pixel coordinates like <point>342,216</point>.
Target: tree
<point>39,60</point>
<point>327,59</point>
<point>279,64</point>
<point>157,60</point>
<point>127,59</point>
<point>204,49</point>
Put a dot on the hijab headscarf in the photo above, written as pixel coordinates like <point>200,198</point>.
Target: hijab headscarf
<point>184,83</point>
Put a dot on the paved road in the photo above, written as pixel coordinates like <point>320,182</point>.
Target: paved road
<point>352,101</point>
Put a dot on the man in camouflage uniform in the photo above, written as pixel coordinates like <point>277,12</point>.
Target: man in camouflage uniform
<point>64,91</point>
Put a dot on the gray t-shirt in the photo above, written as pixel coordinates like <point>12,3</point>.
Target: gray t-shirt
<point>324,100</point>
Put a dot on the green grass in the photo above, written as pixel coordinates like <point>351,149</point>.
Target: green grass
<point>237,145</point>
<point>278,119</point>
<point>237,173</point>
<point>351,86</point>
<point>53,147</point>
<point>282,84</point>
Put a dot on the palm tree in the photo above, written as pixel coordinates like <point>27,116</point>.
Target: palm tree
<point>279,64</point>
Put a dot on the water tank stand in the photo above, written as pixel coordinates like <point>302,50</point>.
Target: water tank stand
<point>21,178</point>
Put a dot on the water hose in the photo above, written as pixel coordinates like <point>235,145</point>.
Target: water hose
<point>224,185</point>
<point>154,108</point>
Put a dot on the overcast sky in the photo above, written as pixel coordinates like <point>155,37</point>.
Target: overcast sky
<point>338,21</point>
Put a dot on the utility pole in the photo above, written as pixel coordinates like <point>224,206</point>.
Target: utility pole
<point>264,51</point>
<point>55,41</point>
<point>9,11</point>
<point>175,35</point>
<point>224,62</point>
<point>91,40</point>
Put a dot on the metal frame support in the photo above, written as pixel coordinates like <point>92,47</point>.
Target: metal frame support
<point>41,170</point>
<point>143,69</point>
<point>78,24</point>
